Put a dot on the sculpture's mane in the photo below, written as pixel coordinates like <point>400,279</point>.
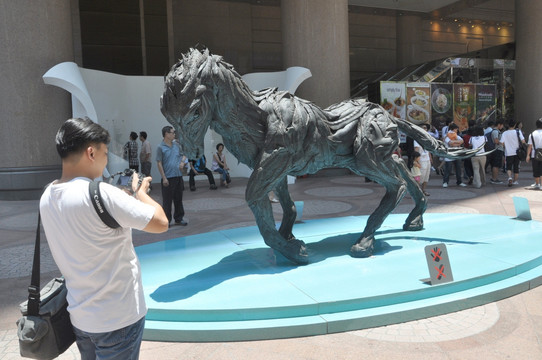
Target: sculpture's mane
<point>236,106</point>
<point>201,68</point>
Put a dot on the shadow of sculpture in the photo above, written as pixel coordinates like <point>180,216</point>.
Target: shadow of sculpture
<point>264,261</point>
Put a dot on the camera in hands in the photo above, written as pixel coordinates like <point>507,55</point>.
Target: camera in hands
<point>125,180</point>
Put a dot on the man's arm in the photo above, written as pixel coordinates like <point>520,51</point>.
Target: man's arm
<point>495,137</point>
<point>159,222</point>
<point>165,182</point>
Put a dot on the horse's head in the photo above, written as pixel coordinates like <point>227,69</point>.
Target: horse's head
<point>188,99</point>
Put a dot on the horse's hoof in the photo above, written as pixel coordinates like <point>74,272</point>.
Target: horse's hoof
<point>295,251</point>
<point>417,226</point>
<point>361,251</point>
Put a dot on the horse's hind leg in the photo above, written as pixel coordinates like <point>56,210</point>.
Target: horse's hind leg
<point>414,220</point>
<point>395,190</point>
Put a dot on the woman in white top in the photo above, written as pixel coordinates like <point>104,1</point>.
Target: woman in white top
<point>220,166</point>
<point>478,140</point>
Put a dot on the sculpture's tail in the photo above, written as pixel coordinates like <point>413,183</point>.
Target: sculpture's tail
<point>433,145</point>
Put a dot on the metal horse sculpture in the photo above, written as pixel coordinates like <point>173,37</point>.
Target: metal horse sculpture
<point>278,134</point>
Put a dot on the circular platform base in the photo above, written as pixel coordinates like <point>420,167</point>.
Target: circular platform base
<point>229,286</point>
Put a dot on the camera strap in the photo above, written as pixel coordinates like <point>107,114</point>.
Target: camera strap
<point>99,206</point>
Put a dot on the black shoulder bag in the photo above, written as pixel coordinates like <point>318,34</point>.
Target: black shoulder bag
<point>537,152</point>
<point>521,152</point>
<point>45,330</point>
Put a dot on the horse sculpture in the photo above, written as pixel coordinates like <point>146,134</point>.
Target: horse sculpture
<point>278,134</point>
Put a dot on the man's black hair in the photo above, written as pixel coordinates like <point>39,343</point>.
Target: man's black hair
<point>166,129</point>
<point>477,131</point>
<point>453,126</point>
<point>78,133</point>
<point>143,134</point>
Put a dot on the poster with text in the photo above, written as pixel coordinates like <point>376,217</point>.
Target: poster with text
<point>464,105</point>
<point>486,103</point>
<point>418,110</point>
<point>441,104</point>
<point>393,98</point>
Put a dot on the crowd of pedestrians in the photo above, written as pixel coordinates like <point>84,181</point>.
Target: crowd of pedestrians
<point>502,138</point>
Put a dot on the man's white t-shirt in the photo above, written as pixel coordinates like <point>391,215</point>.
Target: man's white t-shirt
<point>537,135</point>
<point>510,140</point>
<point>102,272</point>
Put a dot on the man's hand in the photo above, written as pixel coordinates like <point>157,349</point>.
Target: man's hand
<point>140,184</point>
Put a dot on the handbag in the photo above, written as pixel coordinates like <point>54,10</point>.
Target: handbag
<point>521,152</point>
<point>45,330</point>
<point>537,152</point>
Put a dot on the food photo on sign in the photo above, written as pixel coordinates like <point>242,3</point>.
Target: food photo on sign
<point>441,104</point>
<point>393,98</point>
<point>418,110</point>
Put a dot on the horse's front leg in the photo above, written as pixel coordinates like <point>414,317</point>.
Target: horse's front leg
<point>259,184</point>
<point>289,212</point>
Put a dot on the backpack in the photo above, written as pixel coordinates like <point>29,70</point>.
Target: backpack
<point>490,144</point>
<point>199,165</point>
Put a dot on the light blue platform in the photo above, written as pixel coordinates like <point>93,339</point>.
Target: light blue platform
<point>229,286</point>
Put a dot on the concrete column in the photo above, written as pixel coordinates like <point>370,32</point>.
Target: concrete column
<point>34,36</point>
<point>528,107</point>
<point>315,35</point>
<point>409,40</point>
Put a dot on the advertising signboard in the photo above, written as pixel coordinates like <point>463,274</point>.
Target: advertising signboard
<point>441,104</point>
<point>418,110</point>
<point>464,105</point>
<point>486,103</point>
<point>393,97</point>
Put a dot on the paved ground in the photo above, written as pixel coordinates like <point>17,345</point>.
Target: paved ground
<point>507,329</point>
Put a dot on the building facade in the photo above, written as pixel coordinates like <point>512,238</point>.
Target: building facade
<point>340,41</point>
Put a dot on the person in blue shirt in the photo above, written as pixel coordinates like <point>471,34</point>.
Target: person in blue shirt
<point>169,160</point>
